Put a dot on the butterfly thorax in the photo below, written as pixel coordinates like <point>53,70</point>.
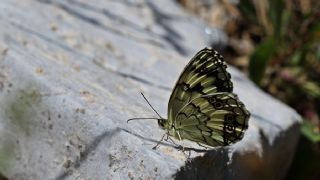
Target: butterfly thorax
<point>164,124</point>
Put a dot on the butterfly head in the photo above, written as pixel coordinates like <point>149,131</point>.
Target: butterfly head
<point>163,123</point>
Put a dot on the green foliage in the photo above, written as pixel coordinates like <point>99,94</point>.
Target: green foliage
<point>247,8</point>
<point>310,131</point>
<point>286,61</point>
<point>260,59</point>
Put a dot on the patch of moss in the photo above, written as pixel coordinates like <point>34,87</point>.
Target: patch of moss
<point>6,155</point>
<point>20,109</point>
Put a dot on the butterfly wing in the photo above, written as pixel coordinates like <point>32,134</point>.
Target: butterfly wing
<point>215,119</point>
<point>205,74</point>
<point>192,110</point>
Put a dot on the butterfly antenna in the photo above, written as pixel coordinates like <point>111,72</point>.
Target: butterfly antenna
<point>150,105</point>
<point>140,119</point>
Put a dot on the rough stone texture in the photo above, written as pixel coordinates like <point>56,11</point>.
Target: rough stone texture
<point>70,75</point>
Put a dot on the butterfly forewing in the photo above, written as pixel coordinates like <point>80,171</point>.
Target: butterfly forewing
<point>205,74</point>
<point>202,107</point>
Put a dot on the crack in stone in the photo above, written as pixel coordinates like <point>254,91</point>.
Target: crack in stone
<point>133,77</point>
<point>171,36</point>
<point>112,16</point>
<point>43,37</point>
<point>90,148</point>
<point>97,23</point>
<point>136,78</point>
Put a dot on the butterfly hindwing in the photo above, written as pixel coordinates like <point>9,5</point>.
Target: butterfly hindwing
<point>216,119</point>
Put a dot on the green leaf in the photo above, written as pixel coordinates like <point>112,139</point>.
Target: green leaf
<point>296,58</point>
<point>285,20</point>
<point>317,53</point>
<point>260,58</point>
<point>311,88</point>
<point>315,29</point>
<point>248,10</point>
<point>275,13</point>
<point>309,131</point>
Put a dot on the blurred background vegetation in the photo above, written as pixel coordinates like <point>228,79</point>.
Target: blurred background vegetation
<point>277,44</point>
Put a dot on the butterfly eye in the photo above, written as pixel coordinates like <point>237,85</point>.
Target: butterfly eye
<point>161,123</point>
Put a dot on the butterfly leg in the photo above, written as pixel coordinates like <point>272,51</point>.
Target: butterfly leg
<point>172,141</point>
<point>189,155</point>
<point>159,141</point>
<point>167,138</point>
<point>202,146</point>
<point>180,140</point>
<point>183,148</point>
<point>179,146</point>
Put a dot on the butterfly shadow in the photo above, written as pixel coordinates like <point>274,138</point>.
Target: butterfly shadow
<point>270,162</point>
<point>165,143</point>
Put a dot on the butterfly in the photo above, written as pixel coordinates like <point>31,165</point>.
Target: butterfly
<point>202,107</point>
